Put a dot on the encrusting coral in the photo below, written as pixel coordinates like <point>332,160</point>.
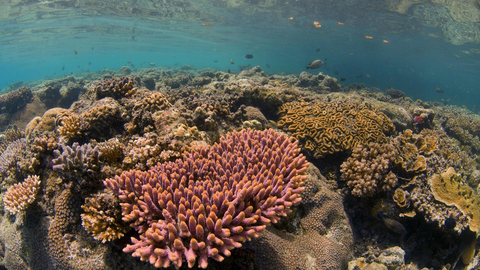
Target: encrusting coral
<point>327,128</point>
<point>368,170</point>
<point>21,195</point>
<point>211,200</point>
<point>450,190</point>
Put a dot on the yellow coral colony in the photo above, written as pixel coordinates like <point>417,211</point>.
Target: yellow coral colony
<point>21,195</point>
<point>448,189</point>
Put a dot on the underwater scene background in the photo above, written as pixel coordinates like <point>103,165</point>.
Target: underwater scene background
<point>239,134</point>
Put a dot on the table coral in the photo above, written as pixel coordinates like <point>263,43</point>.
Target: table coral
<point>211,200</point>
<point>325,128</point>
<point>368,170</point>
<point>21,195</point>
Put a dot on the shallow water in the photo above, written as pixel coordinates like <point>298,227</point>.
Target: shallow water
<point>41,44</point>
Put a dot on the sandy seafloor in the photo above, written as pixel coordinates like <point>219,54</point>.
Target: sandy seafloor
<point>392,182</point>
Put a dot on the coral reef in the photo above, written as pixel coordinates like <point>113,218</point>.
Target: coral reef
<point>102,217</point>
<point>21,195</point>
<point>321,237</point>
<point>212,200</point>
<point>368,170</point>
<point>327,128</point>
<point>76,159</point>
<point>16,100</point>
<point>450,190</point>
<point>115,88</point>
<point>14,151</point>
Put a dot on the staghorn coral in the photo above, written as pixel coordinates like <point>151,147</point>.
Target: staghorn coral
<point>21,195</point>
<point>327,128</point>
<point>115,88</point>
<point>102,217</point>
<point>211,200</point>
<point>368,170</point>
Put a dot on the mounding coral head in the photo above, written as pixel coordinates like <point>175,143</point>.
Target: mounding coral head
<point>213,199</point>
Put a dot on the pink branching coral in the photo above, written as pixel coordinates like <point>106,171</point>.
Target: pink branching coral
<point>213,199</point>
<point>21,195</point>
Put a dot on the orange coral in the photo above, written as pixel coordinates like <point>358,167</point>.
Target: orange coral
<point>21,195</point>
<point>327,128</point>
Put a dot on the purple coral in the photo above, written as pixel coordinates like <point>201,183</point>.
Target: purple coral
<point>213,199</point>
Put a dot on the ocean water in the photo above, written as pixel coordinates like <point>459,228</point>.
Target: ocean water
<point>40,40</point>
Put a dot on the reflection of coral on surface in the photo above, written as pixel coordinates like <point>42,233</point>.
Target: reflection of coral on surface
<point>21,195</point>
<point>211,200</point>
<point>368,170</point>
<point>327,128</point>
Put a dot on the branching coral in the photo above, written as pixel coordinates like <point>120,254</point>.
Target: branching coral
<point>211,200</point>
<point>115,88</point>
<point>327,128</point>
<point>21,195</point>
<point>368,170</point>
<point>76,159</point>
<point>102,217</point>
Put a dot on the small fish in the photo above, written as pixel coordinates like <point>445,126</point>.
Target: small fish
<point>92,48</point>
<point>248,56</point>
<point>316,23</point>
<point>368,37</point>
<point>216,61</point>
<point>386,41</point>
<point>291,18</point>
<point>89,63</point>
<point>207,24</point>
<point>151,64</point>
<point>392,224</point>
<point>75,51</point>
<point>91,73</point>
<point>231,61</point>
<point>317,50</point>
<point>318,26</point>
<point>340,23</point>
<point>418,120</point>
<point>315,64</point>
<point>438,90</point>
<point>63,67</point>
<point>343,79</point>
<point>267,65</point>
<point>228,71</point>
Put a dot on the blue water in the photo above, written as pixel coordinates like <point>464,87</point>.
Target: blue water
<point>413,62</point>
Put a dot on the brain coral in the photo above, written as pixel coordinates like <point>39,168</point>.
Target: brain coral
<point>327,128</point>
<point>212,199</point>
